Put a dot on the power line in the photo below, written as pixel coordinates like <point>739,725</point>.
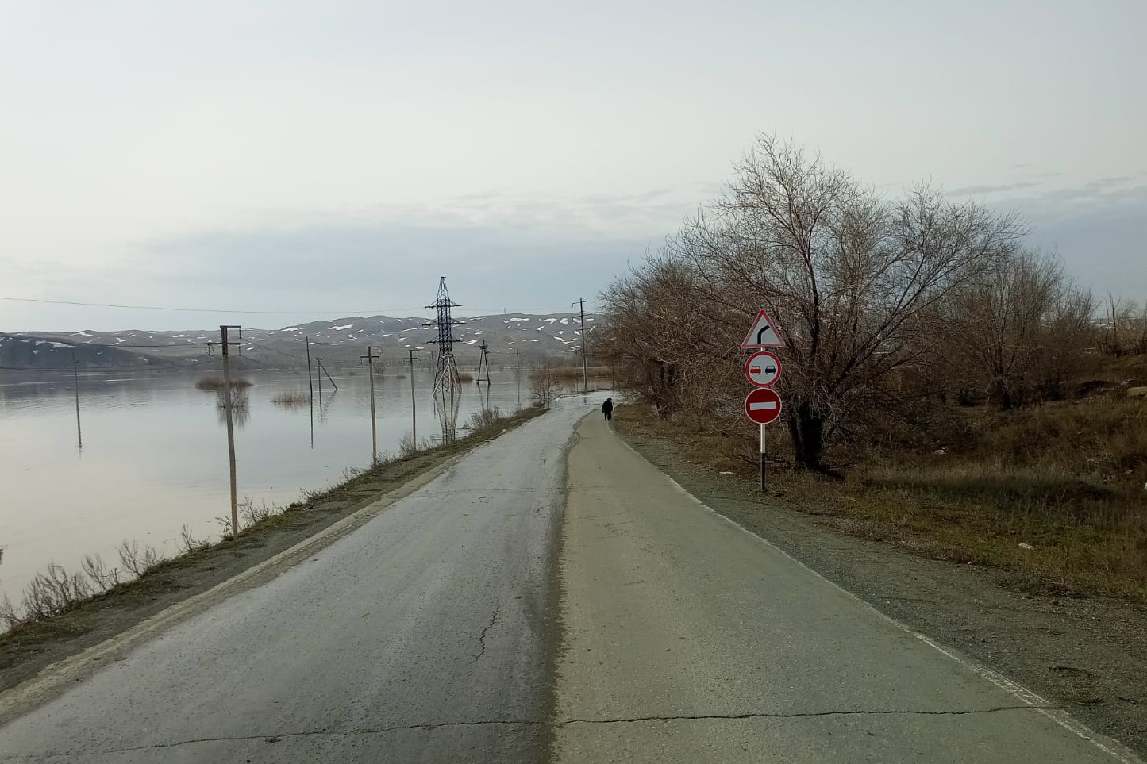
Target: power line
<point>343,313</point>
<point>51,301</point>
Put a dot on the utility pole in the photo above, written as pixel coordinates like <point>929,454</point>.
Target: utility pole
<point>484,366</point>
<point>76,387</point>
<point>319,376</point>
<point>225,345</point>
<point>311,387</point>
<point>413,405</point>
<point>370,358</point>
<point>518,375</point>
<point>310,378</point>
<point>323,370</point>
<point>584,361</point>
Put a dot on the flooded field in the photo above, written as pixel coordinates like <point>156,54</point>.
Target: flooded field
<point>154,454</point>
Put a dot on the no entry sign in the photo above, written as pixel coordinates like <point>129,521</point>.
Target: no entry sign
<point>763,405</point>
<point>763,368</point>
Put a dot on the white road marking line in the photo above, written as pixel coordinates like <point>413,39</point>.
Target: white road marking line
<point>1111,747</point>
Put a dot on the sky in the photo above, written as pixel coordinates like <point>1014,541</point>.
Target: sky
<point>266,163</point>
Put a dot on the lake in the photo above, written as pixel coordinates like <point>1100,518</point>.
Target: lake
<point>154,454</point>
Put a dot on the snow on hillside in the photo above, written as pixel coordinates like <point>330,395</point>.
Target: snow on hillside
<point>342,340</point>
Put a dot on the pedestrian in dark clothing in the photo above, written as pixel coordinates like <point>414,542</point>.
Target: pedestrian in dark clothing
<point>607,409</point>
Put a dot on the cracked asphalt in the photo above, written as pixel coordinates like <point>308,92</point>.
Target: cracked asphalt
<point>516,610</point>
<point>686,639</point>
<point>422,636</point>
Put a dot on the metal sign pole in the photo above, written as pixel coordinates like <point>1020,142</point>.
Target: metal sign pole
<point>764,482</point>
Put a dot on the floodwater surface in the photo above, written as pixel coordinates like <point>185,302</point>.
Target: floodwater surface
<point>154,454</point>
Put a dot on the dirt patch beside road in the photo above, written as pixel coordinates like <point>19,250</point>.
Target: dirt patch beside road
<point>30,647</point>
<point>1088,654</point>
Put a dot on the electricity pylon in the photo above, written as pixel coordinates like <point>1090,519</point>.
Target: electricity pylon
<point>447,386</point>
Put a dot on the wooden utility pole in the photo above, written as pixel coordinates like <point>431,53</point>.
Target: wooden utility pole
<point>413,406</point>
<point>311,387</point>
<point>319,375</point>
<point>323,370</point>
<point>225,344</point>
<point>584,361</point>
<point>76,388</point>
<point>518,374</point>
<point>370,359</point>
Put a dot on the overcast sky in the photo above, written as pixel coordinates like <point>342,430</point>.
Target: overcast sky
<point>321,159</point>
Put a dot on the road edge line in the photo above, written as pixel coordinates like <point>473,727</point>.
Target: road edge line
<point>1028,697</point>
<point>50,681</point>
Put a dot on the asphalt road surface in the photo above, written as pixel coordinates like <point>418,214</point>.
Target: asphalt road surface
<point>419,637</point>
<point>688,639</point>
<point>431,634</point>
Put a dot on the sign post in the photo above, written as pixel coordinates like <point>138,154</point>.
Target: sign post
<point>762,369</point>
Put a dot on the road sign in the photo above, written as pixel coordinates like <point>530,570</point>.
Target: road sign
<point>763,334</point>
<point>763,368</point>
<point>763,405</point>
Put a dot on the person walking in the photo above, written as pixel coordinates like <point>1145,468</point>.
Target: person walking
<point>607,409</point>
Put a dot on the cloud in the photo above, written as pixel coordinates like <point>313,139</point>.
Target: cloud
<point>994,189</point>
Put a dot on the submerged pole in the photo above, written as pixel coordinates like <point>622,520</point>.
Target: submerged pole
<point>76,389</point>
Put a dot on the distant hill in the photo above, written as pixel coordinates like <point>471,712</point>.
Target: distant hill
<point>48,351</point>
<point>555,337</point>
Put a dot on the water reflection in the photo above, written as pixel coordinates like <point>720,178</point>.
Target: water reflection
<point>155,453</point>
<point>240,406</point>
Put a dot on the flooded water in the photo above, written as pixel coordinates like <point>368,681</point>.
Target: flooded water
<point>154,455</point>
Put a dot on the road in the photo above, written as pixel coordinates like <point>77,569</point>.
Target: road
<point>431,634</point>
<point>422,636</point>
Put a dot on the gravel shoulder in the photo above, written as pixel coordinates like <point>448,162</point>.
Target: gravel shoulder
<point>1088,655</point>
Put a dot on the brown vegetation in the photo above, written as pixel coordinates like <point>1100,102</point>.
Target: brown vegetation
<point>543,385</point>
<point>946,376</point>
<point>574,373</point>
<point>216,383</point>
<point>1064,480</point>
<point>78,608</point>
<point>290,400</point>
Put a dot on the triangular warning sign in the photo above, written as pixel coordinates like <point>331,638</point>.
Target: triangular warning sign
<point>763,334</point>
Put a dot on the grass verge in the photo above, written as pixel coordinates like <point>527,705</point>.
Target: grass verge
<point>1054,496</point>
<point>35,643</point>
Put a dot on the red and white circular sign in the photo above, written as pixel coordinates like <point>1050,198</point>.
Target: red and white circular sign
<point>763,368</point>
<point>763,405</point>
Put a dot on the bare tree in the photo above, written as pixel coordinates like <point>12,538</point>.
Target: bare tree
<point>854,281</point>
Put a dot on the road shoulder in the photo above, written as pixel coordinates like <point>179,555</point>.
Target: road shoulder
<point>1088,655</point>
<point>38,659</point>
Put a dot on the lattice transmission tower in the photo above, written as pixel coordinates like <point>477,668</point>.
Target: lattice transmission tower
<point>482,377</point>
<point>447,386</point>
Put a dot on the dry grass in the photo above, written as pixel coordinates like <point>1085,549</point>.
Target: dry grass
<point>566,373</point>
<point>57,592</point>
<point>291,400</point>
<point>1065,479</point>
<point>216,383</point>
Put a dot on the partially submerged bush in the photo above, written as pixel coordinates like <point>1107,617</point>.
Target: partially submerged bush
<point>290,400</point>
<point>215,383</point>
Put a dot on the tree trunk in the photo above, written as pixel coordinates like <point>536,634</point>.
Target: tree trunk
<point>806,427</point>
